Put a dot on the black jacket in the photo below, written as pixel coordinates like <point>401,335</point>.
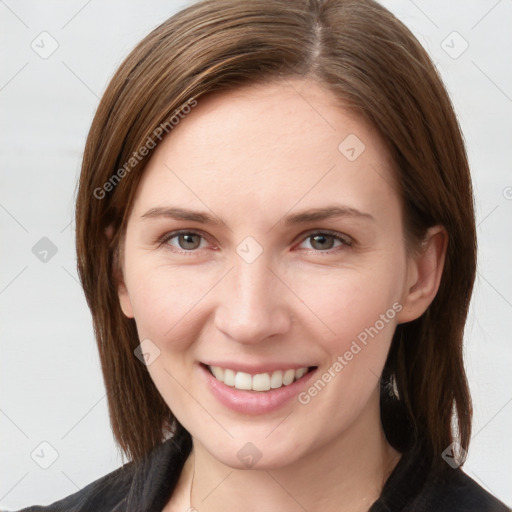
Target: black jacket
<point>147,485</point>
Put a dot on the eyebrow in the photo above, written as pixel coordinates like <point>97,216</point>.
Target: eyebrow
<point>312,214</point>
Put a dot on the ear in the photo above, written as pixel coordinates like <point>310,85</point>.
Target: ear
<point>425,268</point>
<point>124,299</point>
<point>117,271</point>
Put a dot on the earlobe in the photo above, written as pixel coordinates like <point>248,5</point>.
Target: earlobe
<point>424,274</point>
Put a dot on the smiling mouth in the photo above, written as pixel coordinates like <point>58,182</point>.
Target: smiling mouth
<point>259,382</point>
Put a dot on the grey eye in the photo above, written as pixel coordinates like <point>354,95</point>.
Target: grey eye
<point>323,241</point>
<point>189,241</point>
<point>186,241</point>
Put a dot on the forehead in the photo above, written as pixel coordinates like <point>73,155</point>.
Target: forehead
<point>263,144</point>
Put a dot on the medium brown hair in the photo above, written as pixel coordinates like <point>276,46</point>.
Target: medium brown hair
<point>375,66</point>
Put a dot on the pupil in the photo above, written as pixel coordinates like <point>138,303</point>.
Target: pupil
<point>322,240</point>
<point>188,242</point>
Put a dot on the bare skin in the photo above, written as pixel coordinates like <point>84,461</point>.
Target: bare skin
<point>252,157</point>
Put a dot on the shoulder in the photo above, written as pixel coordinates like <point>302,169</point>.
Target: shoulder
<point>104,494</point>
<point>454,491</point>
<point>420,484</point>
<point>142,485</point>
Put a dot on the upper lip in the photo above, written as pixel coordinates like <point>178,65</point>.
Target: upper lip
<point>254,369</point>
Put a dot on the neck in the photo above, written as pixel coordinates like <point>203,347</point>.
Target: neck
<point>343,474</point>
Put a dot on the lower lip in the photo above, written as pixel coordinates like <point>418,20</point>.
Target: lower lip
<point>254,402</point>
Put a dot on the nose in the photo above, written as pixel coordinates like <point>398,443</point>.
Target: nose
<point>252,305</point>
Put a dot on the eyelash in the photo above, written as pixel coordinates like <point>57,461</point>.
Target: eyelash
<point>345,241</point>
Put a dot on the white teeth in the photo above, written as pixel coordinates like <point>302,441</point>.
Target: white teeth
<point>218,372</point>
<point>258,382</point>
<point>243,381</point>
<point>276,381</point>
<point>261,382</point>
<point>300,372</point>
<point>229,377</point>
<point>288,377</point>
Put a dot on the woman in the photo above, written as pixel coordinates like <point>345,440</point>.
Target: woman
<point>276,238</point>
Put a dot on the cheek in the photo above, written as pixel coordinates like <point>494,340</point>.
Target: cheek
<point>165,300</point>
<point>352,303</point>
<point>360,311</point>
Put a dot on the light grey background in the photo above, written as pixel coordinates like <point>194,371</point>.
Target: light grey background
<point>51,385</point>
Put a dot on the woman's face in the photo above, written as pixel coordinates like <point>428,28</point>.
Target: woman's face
<point>266,238</point>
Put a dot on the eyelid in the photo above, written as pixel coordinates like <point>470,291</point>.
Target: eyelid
<point>172,234</point>
<point>345,240</point>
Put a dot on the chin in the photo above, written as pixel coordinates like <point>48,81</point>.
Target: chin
<point>250,456</point>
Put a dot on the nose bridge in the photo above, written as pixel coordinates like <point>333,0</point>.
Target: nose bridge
<point>252,308</point>
<point>253,283</point>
